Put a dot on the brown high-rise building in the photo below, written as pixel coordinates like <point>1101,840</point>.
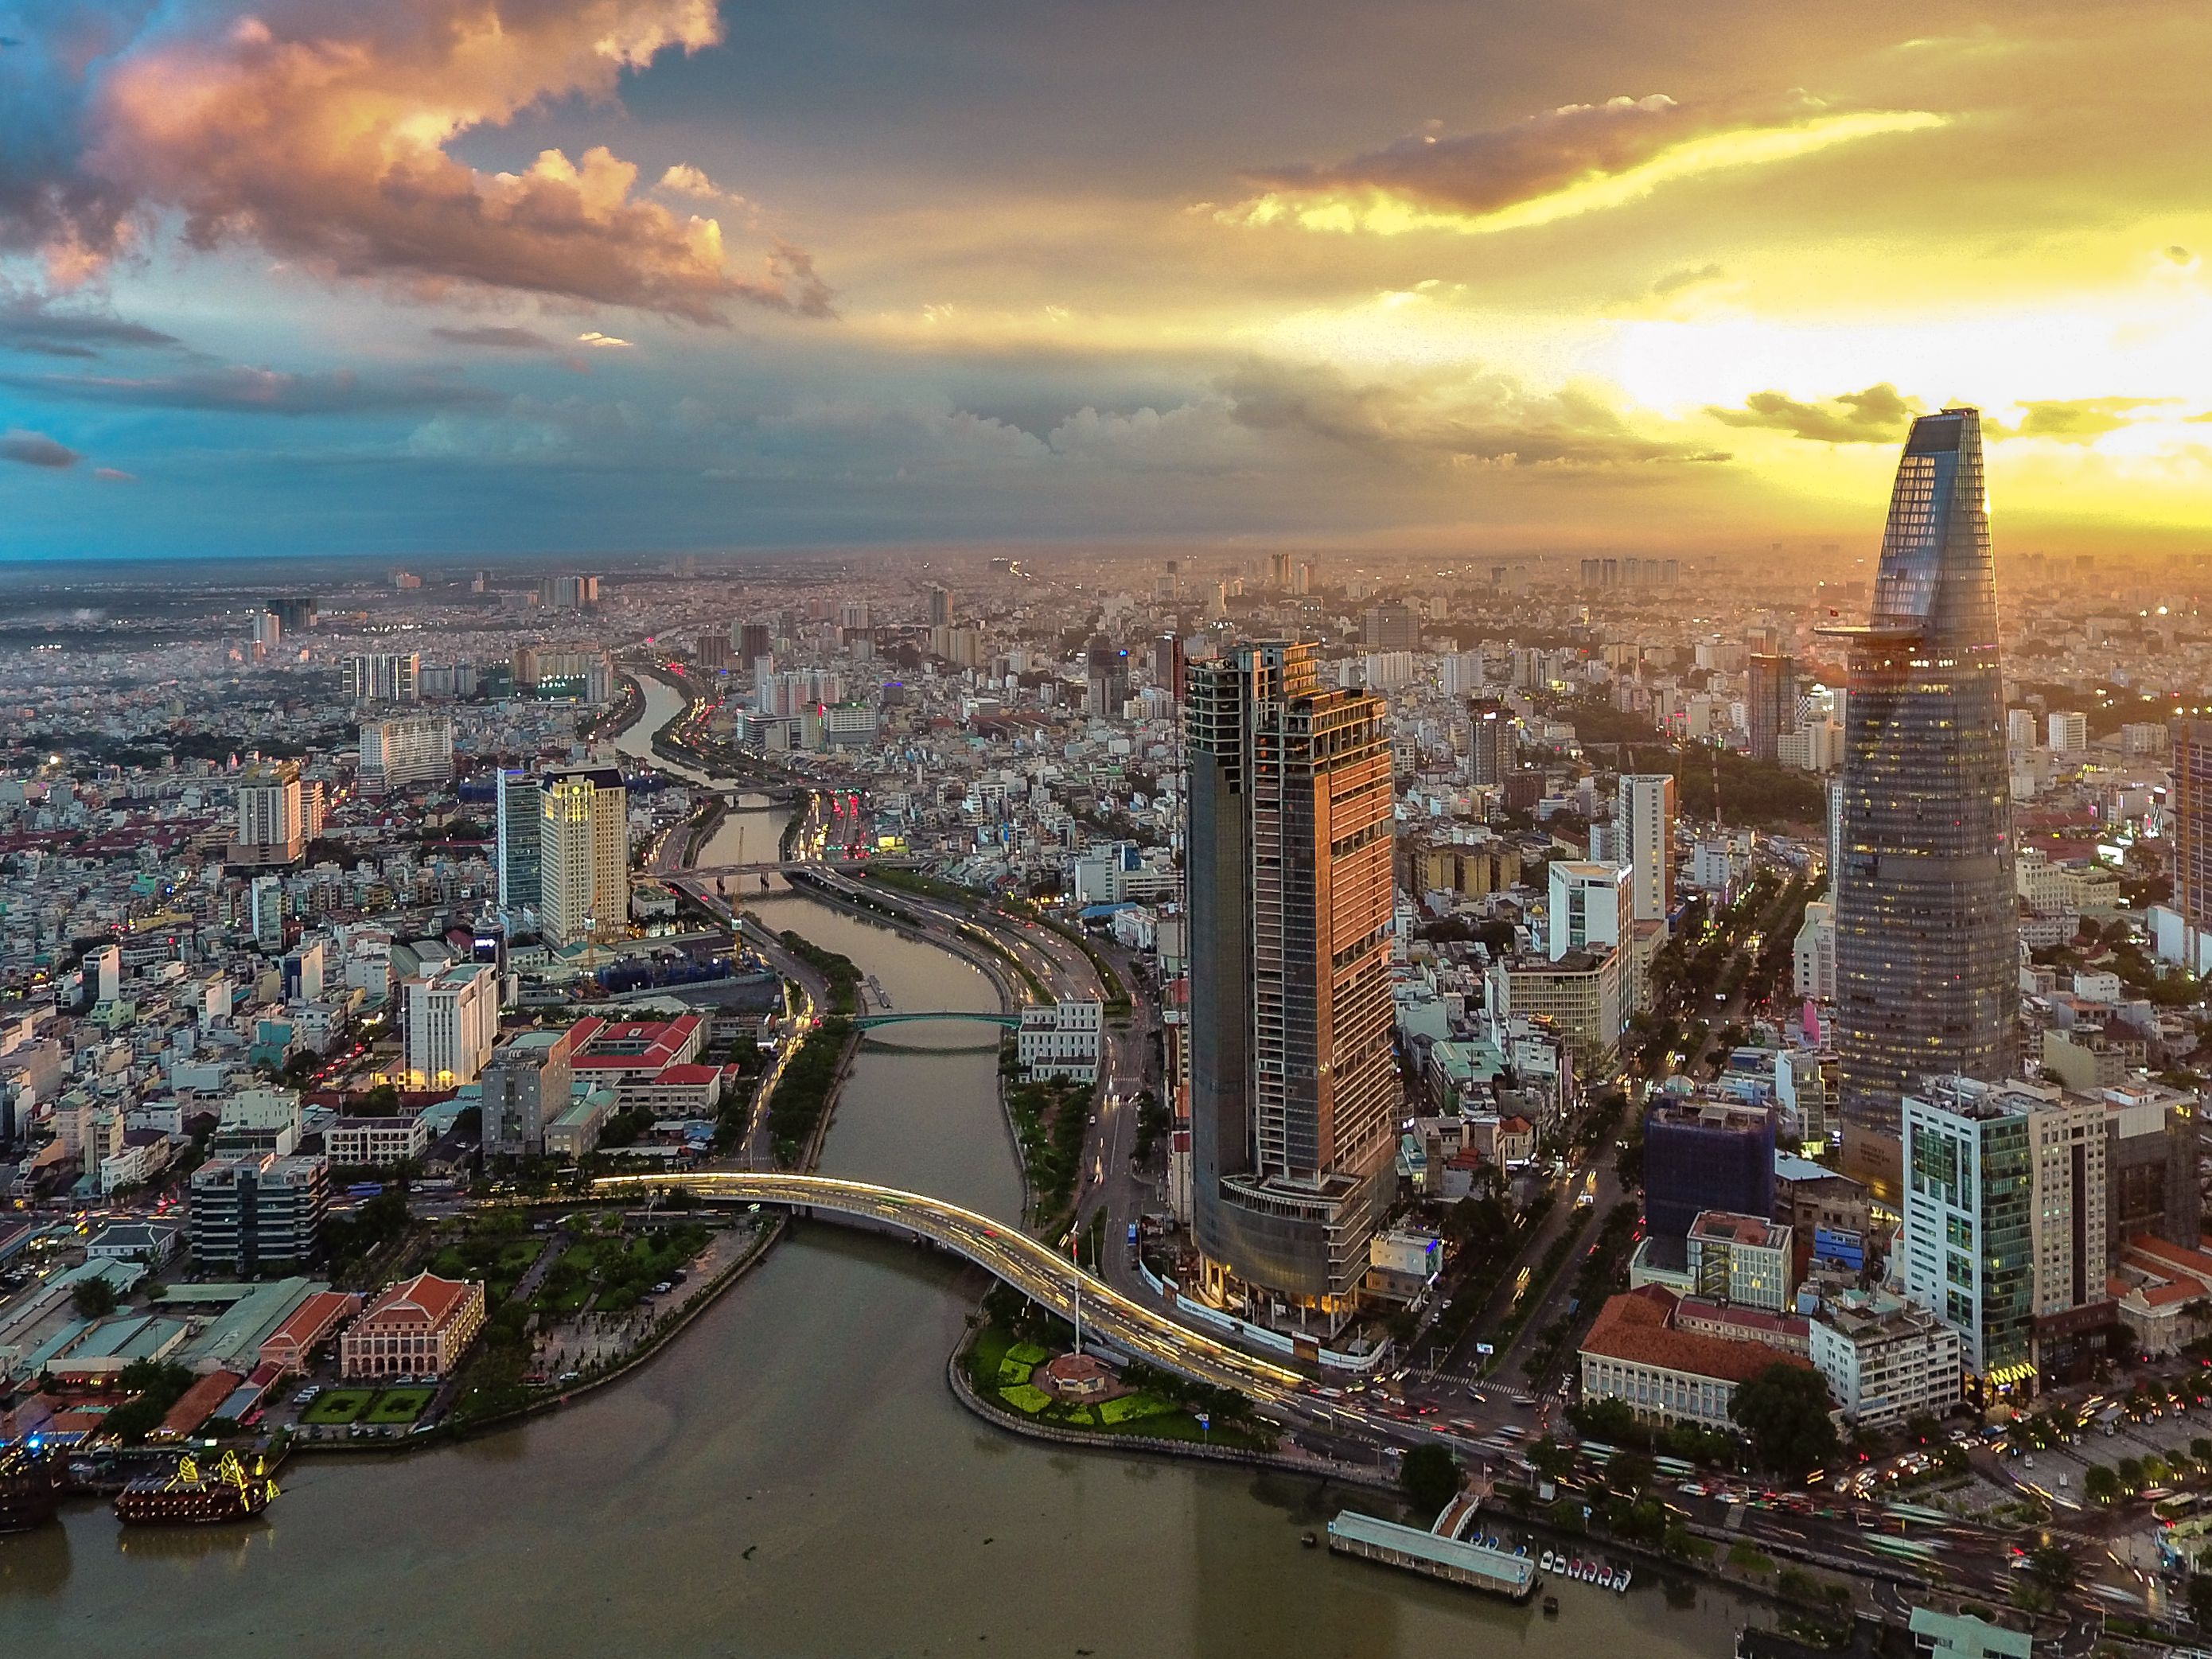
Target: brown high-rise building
<point>1294,1083</point>
<point>2192,829</point>
<point>1770,701</point>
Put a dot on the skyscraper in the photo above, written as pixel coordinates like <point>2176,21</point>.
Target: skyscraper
<point>2192,833</point>
<point>584,856</point>
<point>1926,976</point>
<point>1646,814</point>
<point>1770,701</point>
<point>521,837</point>
<point>1490,749</point>
<point>940,606</point>
<point>1294,1085</point>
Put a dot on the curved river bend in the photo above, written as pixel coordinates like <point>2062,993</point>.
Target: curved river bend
<point>793,1477</point>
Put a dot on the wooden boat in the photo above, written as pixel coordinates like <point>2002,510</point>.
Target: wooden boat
<point>194,1497</point>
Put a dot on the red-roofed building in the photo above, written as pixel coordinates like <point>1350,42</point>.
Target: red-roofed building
<point>308,1327</point>
<point>614,1051</point>
<point>674,1092</point>
<point>196,1405</point>
<point>417,1329</point>
<point>2157,1284</point>
<point>1634,1353</point>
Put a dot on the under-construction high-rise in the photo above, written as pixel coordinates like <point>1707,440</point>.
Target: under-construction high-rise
<point>1927,976</point>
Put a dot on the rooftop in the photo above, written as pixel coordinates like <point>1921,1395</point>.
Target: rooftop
<point>1637,1327</point>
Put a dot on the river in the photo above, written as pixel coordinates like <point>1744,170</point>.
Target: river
<point>793,1477</point>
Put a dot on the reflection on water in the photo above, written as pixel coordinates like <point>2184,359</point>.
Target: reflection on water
<point>793,1478</point>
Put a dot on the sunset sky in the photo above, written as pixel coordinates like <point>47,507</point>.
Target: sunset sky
<point>430,277</point>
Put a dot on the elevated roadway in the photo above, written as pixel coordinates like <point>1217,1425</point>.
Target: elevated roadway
<point>1036,1271</point>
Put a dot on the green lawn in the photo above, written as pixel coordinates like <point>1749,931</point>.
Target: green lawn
<point>1133,1407</point>
<point>399,1406</point>
<point>1026,1399</point>
<point>1013,1372</point>
<point>1027,1353</point>
<point>338,1406</point>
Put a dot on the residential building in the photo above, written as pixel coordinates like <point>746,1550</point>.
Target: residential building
<point>1926,980</point>
<point>584,857</point>
<point>258,1214</point>
<point>1813,959</point>
<point>420,1328</point>
<point>272,822</point>
<point>1702,1154</point>
<point>1887,1360</point>
<point>1294,1082</point>
<point>2191,776</point>
<point>1491,749</point>
<point>452,1021</point>
<point>1062,1040</point>
<point>527,1084</point>
<point>1741,1258</point>
<point>1586,996</point>
<point>1634,1354</point>
<point>375,1143</point>
<point>406,749</point>
<point>2068,732</point>
<point>1644,812</point>
<point>1392,626</point>
<point>382,677</point>
<point>1591,905</point>
<point>1770,701</point>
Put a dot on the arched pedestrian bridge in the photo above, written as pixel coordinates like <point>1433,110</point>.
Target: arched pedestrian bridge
<point>1036,1271</point>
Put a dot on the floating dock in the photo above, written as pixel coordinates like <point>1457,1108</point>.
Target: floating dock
<point>1475,1566</point>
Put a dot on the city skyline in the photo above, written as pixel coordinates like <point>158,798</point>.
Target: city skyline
<point>639,273</point>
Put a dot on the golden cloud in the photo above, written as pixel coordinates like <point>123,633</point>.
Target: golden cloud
<point>1562,164</point>
<point>319,129</point>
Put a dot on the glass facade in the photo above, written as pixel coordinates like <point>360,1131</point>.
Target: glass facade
<point>1968,1240</point>
<point>1926,976</point>
<point>1294,1080</point>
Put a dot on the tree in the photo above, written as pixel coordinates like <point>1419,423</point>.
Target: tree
<point>1784,1410</point>
<point>2131,1473</point>
<point>2100,1484</point>
<point>2052,1567</point>
<point>1429,1476</point>
<point>2200,1599</point>
<point>1922,1427</point>
<point>1629,1473</point>
<point>93,1299</point>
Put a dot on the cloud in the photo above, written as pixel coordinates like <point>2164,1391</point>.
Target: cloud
<point>497,338</point>
<point>319,130</point>
<point>598,342</point>
<point>36,449</point>
<point>1686,277</point>
<point>2078,420</point>
<point>1566,162</point>
<point>114,475</point>
<point>1448,417</point>
<point>1878,415</point>
<point>31,322</point>
<point>239,390</point>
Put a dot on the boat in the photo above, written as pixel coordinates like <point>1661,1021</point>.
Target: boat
<point>1574,1569</point>
<point>1551,1607</point>
<point>1620,1580</point>
<point>1309,1540</point>
<point>1548,1562</point>
<point>31,1486</point>
<point>192,1497</point>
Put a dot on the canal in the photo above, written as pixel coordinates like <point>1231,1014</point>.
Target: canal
<point>793,1477</point>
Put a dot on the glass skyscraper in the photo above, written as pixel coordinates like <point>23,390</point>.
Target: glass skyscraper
<point>1294,1082</point>
<point>1926,955</point>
